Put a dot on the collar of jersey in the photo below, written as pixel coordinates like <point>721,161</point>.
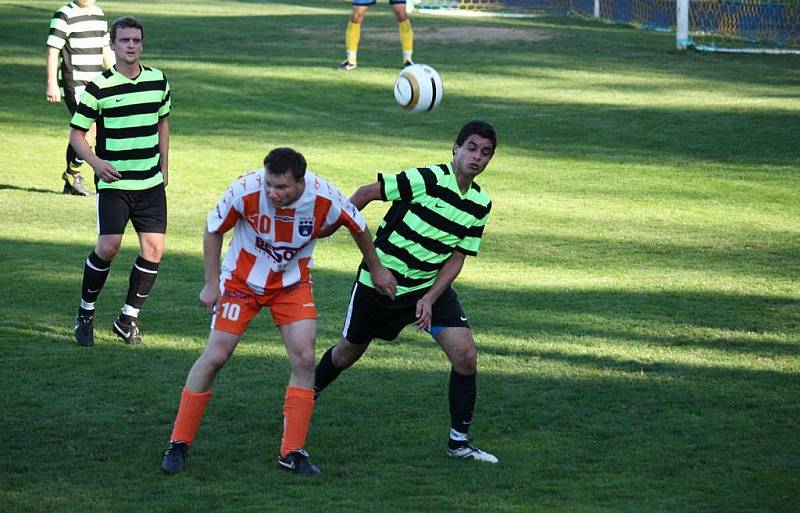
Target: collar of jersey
<point>453,183</point>
<point>132,80</point>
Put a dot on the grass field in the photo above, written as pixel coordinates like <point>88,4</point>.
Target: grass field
<point>636,301</point>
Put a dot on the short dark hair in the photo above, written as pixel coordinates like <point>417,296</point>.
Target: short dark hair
<point>285,160</point>
<point>125,22</point>
<point>480,128</point>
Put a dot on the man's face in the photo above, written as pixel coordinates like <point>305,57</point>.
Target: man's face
<point>85,3</point>
<point>472,157</point>
<point>128,45</point>
<point>283,190</point>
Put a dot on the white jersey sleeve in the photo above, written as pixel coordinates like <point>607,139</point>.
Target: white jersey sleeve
<point>231,207</point>
<point>341,212</point>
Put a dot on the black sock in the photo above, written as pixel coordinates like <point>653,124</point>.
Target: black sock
<point>462,394</point>
<point>95,272</point>
<point>325,372</point>
<point>143,276</point>
<point>73,160</point>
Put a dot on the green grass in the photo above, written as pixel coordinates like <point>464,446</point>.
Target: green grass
<point>636,300</point>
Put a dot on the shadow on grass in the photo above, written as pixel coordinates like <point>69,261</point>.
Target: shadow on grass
<point>735,322</point>
<point>99,418</point>
<point>71,412</point>
<point>82,429</point>
<point>9,187</point>
<point>260,109</point>
<point>227,104</point>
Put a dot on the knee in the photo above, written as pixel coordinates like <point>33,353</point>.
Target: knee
<point>465,362</point>
<point>215,361</point>
<point>152,253</point>
<point>346,355</point>
<point>341,361</point>
<point>303,360</point>
<point>357,17</point>
<point>106,250</point>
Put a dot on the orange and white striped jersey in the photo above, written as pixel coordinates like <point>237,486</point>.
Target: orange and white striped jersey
<point>271,247</point>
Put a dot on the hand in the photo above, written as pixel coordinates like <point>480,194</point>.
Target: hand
<point>424,314</point>
<point>106,172</point>
<point>384,281</point>
<point>209,297</point>
<point>53,93</point>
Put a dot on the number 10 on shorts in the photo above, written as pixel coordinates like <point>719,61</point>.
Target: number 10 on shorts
<point>230,311</point>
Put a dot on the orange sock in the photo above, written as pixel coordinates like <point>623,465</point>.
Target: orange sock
<point>190,413</point>
<point>297,408</point>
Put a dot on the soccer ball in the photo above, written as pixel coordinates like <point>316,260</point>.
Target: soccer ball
<point>418,88</point>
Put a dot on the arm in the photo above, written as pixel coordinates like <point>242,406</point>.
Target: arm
<point>382,277</point>
<point>104,171</point>
<point>53,92</point>
<point>366,194</point>
<point>447,275</point>
<point>163,147</point>
<point>109,59</point>
<point>212,249</point>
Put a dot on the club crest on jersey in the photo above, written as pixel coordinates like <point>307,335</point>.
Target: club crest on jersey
<point>305,225</point>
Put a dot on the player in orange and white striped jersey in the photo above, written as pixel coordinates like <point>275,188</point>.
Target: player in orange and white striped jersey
<point>277,214</point>
<point>272,245</point>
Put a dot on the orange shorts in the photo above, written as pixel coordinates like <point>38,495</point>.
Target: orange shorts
<point>237,305</point>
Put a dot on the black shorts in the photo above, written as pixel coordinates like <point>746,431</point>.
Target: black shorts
<point>69,101</point>
<point>72,95</point>
<point>372,315</point>
<point>146,209</point>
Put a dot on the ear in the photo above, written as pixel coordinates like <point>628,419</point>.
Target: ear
<point>455,146</point>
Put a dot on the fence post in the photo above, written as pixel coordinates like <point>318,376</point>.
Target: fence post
<point>682,40</point>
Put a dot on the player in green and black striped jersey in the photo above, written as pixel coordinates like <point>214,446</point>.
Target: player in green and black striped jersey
<point>128,108</point>
<point>130,104</point>
<point>437,218</point>
<point>429,219</point>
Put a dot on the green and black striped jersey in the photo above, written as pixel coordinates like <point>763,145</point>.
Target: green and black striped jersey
<point>428,220</point>
<point>127,112</point>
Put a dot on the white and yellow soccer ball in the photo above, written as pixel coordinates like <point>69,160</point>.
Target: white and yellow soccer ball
<point>418,88</point>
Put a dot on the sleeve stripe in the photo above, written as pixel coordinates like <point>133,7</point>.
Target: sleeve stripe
<point>404,187</point>
<point>475,231</point>
<point>59,34</point>
<point>87,111</point>
<point>228,222</point>
<point>348,222</point>
<point>383,186</point>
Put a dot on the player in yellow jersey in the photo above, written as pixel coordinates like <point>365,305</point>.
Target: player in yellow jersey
<point>353,33</point>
